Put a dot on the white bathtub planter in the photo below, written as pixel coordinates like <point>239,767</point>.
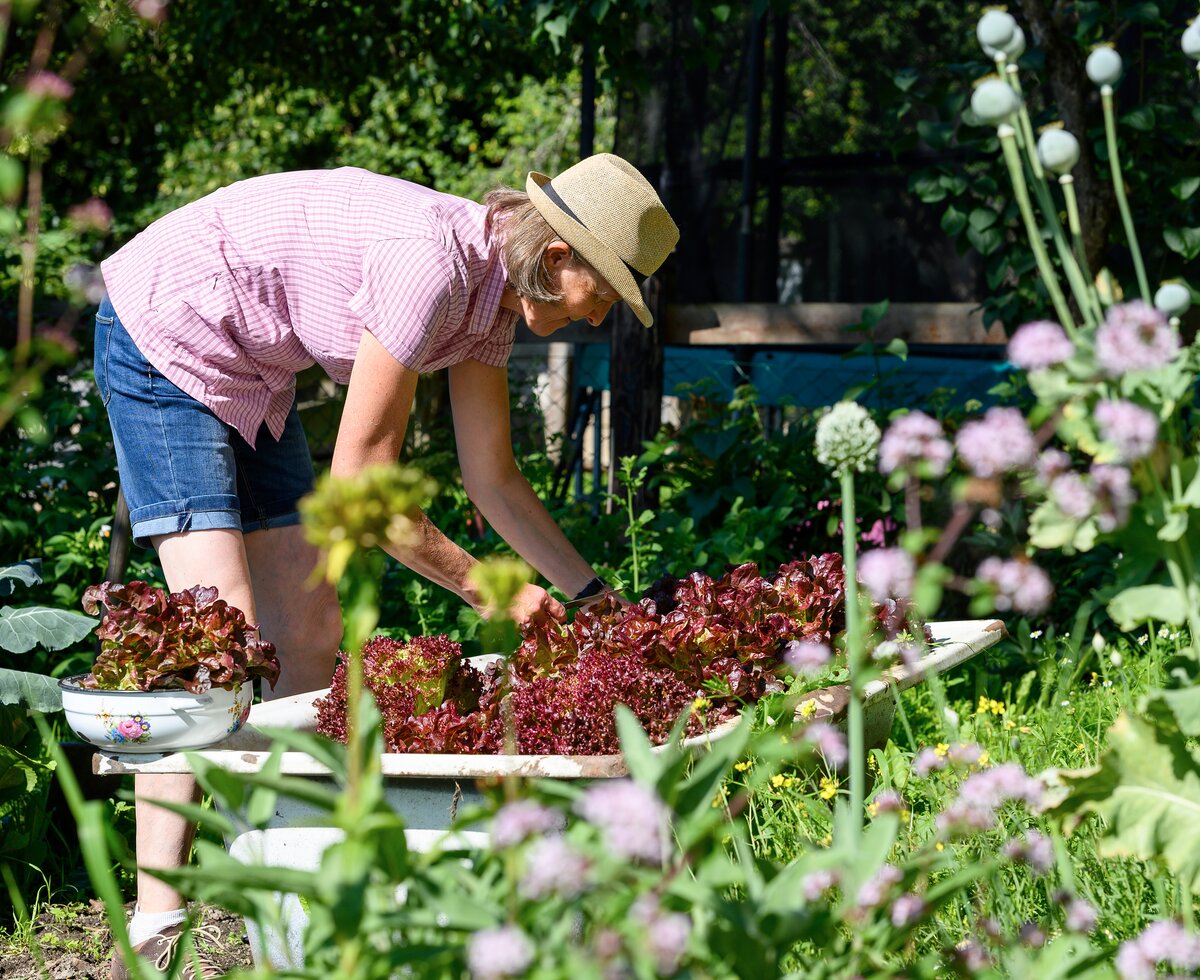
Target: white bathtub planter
<point>426,790</point>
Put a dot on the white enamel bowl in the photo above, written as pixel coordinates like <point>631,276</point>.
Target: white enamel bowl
<point>154,721</point>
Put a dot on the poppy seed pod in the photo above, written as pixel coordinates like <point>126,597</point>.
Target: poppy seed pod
<point>1012,50</point>
<point>1104,66</point>
<point>1190,42</point>
<point>1058,150</point>
<point>1173,298</point>
<point>995,29</point>
<point>994,101</point>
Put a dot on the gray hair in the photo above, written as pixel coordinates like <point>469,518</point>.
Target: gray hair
<point>524,235</point>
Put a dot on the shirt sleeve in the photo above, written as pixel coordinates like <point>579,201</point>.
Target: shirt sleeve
<point>411,289</point>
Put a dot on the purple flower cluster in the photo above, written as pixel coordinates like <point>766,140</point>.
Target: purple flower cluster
<point>553,867</point>
<point>1161,942</point>
<point>1114,496</point>
<point>493,954</point>
<point>888,801</point>
<point>1034,849</point>
<point>631,817</point>
<point>829,742</point>
<point>1038,345</point>
<point>875,890</point>
<point>1073,496</point>
<point>1129,428</point>
<point>887,573</point>
<point>998,443</point>
<point>516,821</point>
<point>807,656</point>
<point>667,934</point>
<point>1019,585</point>
<point>906,910</point>
<point>1134,337</point>
<point>48,85</point>
<point>1079,915</point>
<point>915,442</point>
<point>816,886</point>
<point>1052,463</point>
<point>983,793</point>
<point>962,755</point>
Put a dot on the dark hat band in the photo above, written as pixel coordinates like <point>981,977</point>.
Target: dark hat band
<point>549,190</point>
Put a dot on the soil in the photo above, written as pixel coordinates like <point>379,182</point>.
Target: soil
<point>73,942</point>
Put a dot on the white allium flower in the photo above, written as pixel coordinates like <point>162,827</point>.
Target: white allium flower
<point>1058,150</point>
<point>1190,42</point>
<point>1104,66</point>
<point>993,101</point>
<point>1173,298</point>
<point>847,438</point>
<point>995,28</point>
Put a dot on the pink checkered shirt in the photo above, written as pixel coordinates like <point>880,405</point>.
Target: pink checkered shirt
<point>232,295</point>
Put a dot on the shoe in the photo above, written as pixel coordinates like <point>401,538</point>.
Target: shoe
<point>162,948</point>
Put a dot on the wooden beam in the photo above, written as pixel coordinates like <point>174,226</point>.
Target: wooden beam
<point>728,324</point>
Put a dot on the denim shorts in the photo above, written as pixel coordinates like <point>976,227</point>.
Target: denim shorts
<point>181,467</point>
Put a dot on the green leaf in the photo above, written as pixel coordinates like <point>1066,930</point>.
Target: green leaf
<point>1162,603</point>
<point>1186,188</point>
<point>1146,789</point>
<point>981,218</point>
<point>36,691</point>
<point>1141,119</point>
<point>985,241</point>
<point>1181,706</point>
<point>1184,241</point>
<point>52,629</point>
<point>635,746</point>
<point>897,348</point>
<point>928,188</point>
<point>953,221</point>
<point>871,315</point>
<point>25,572</point>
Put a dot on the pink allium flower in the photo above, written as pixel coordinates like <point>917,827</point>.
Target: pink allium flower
<point>1132,429</point>
<point>906,910</point>
<point>1080,916</point>
<point>875,889</point>
<point>48,85</point>
<point>1031,934</point>
<point>815,886</point>
<point>1072,495</point>
<point>806,656</point>
<point>887,573</point>
<point>912,440</point>
<point>1134,337</point>
<point>829,742</point>
<point>998,443</point>
<point>1038,345</point>
<point>928,761</point>
<point>1052,463</point>
<point>553,867</point>
<point>983,793</point>
<point>1160,942</point>
<point>667,936</point>
<point>964,754</point>
<point>1034,849</point>
<point>1019,585</point>
<point>631,817</point>
<point>493,954</point>
<point>1114,495</point>
<point>516,821</point>
<point>888,801</point>
<point>92,215</point>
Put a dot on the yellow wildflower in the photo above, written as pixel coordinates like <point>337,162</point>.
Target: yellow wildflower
<point>701,704</point>
<point>940,846</point>
<point>807,709</point>
<point>778,780</point>
<point>744,766</point>
<point>984,760</point>
<point>829,788</point>
<point>941,749</point>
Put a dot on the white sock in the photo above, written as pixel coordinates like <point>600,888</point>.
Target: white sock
<point>143,925</point>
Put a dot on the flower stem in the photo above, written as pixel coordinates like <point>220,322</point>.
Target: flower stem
<point>1114,161</point>
<point>1067,183</point>
<point>1049,276</point>
<point>854,653</point>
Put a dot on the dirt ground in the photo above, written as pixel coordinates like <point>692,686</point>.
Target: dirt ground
<point>73,942</point>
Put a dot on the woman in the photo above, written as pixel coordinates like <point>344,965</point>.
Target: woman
<point>212,311</point>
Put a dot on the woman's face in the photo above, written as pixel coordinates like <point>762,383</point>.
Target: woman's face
<point>585,296</point>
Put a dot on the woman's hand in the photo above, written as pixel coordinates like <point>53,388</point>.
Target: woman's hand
<point>534,604</point>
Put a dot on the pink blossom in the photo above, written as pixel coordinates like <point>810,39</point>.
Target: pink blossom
<point>129,729</point>
<point>1052,463</point>
<point>1081,916</point>
<point>906,910</point>
<point>1034,849</point>
<point>1031,934</point>
<point>876,888</point>
<point>553,867</point>
<point>92,215</point>
<point>493,954</point>
<point>1134,337</point>
<point>667,936</point>
<point>806,656</point>
<point>915,441</point>
<point>1131,429</point>
<point>1160,942</point>
<point>829,742</point>
<point>48,85</point>
<point>1019,585</point>
<point>516,821</point>
<point>964,754</point>
<point>815,886</point>
<point>632,819</point>
<point>888,801</point>
<point>998,443</point>
<point>1114,495</point>
<point>1072,495</point>
<point>887,573</point>
<point>927,761</point>
<point>1038,345</point>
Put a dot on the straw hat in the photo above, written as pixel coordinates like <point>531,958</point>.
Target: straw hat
<point>608,212</point>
